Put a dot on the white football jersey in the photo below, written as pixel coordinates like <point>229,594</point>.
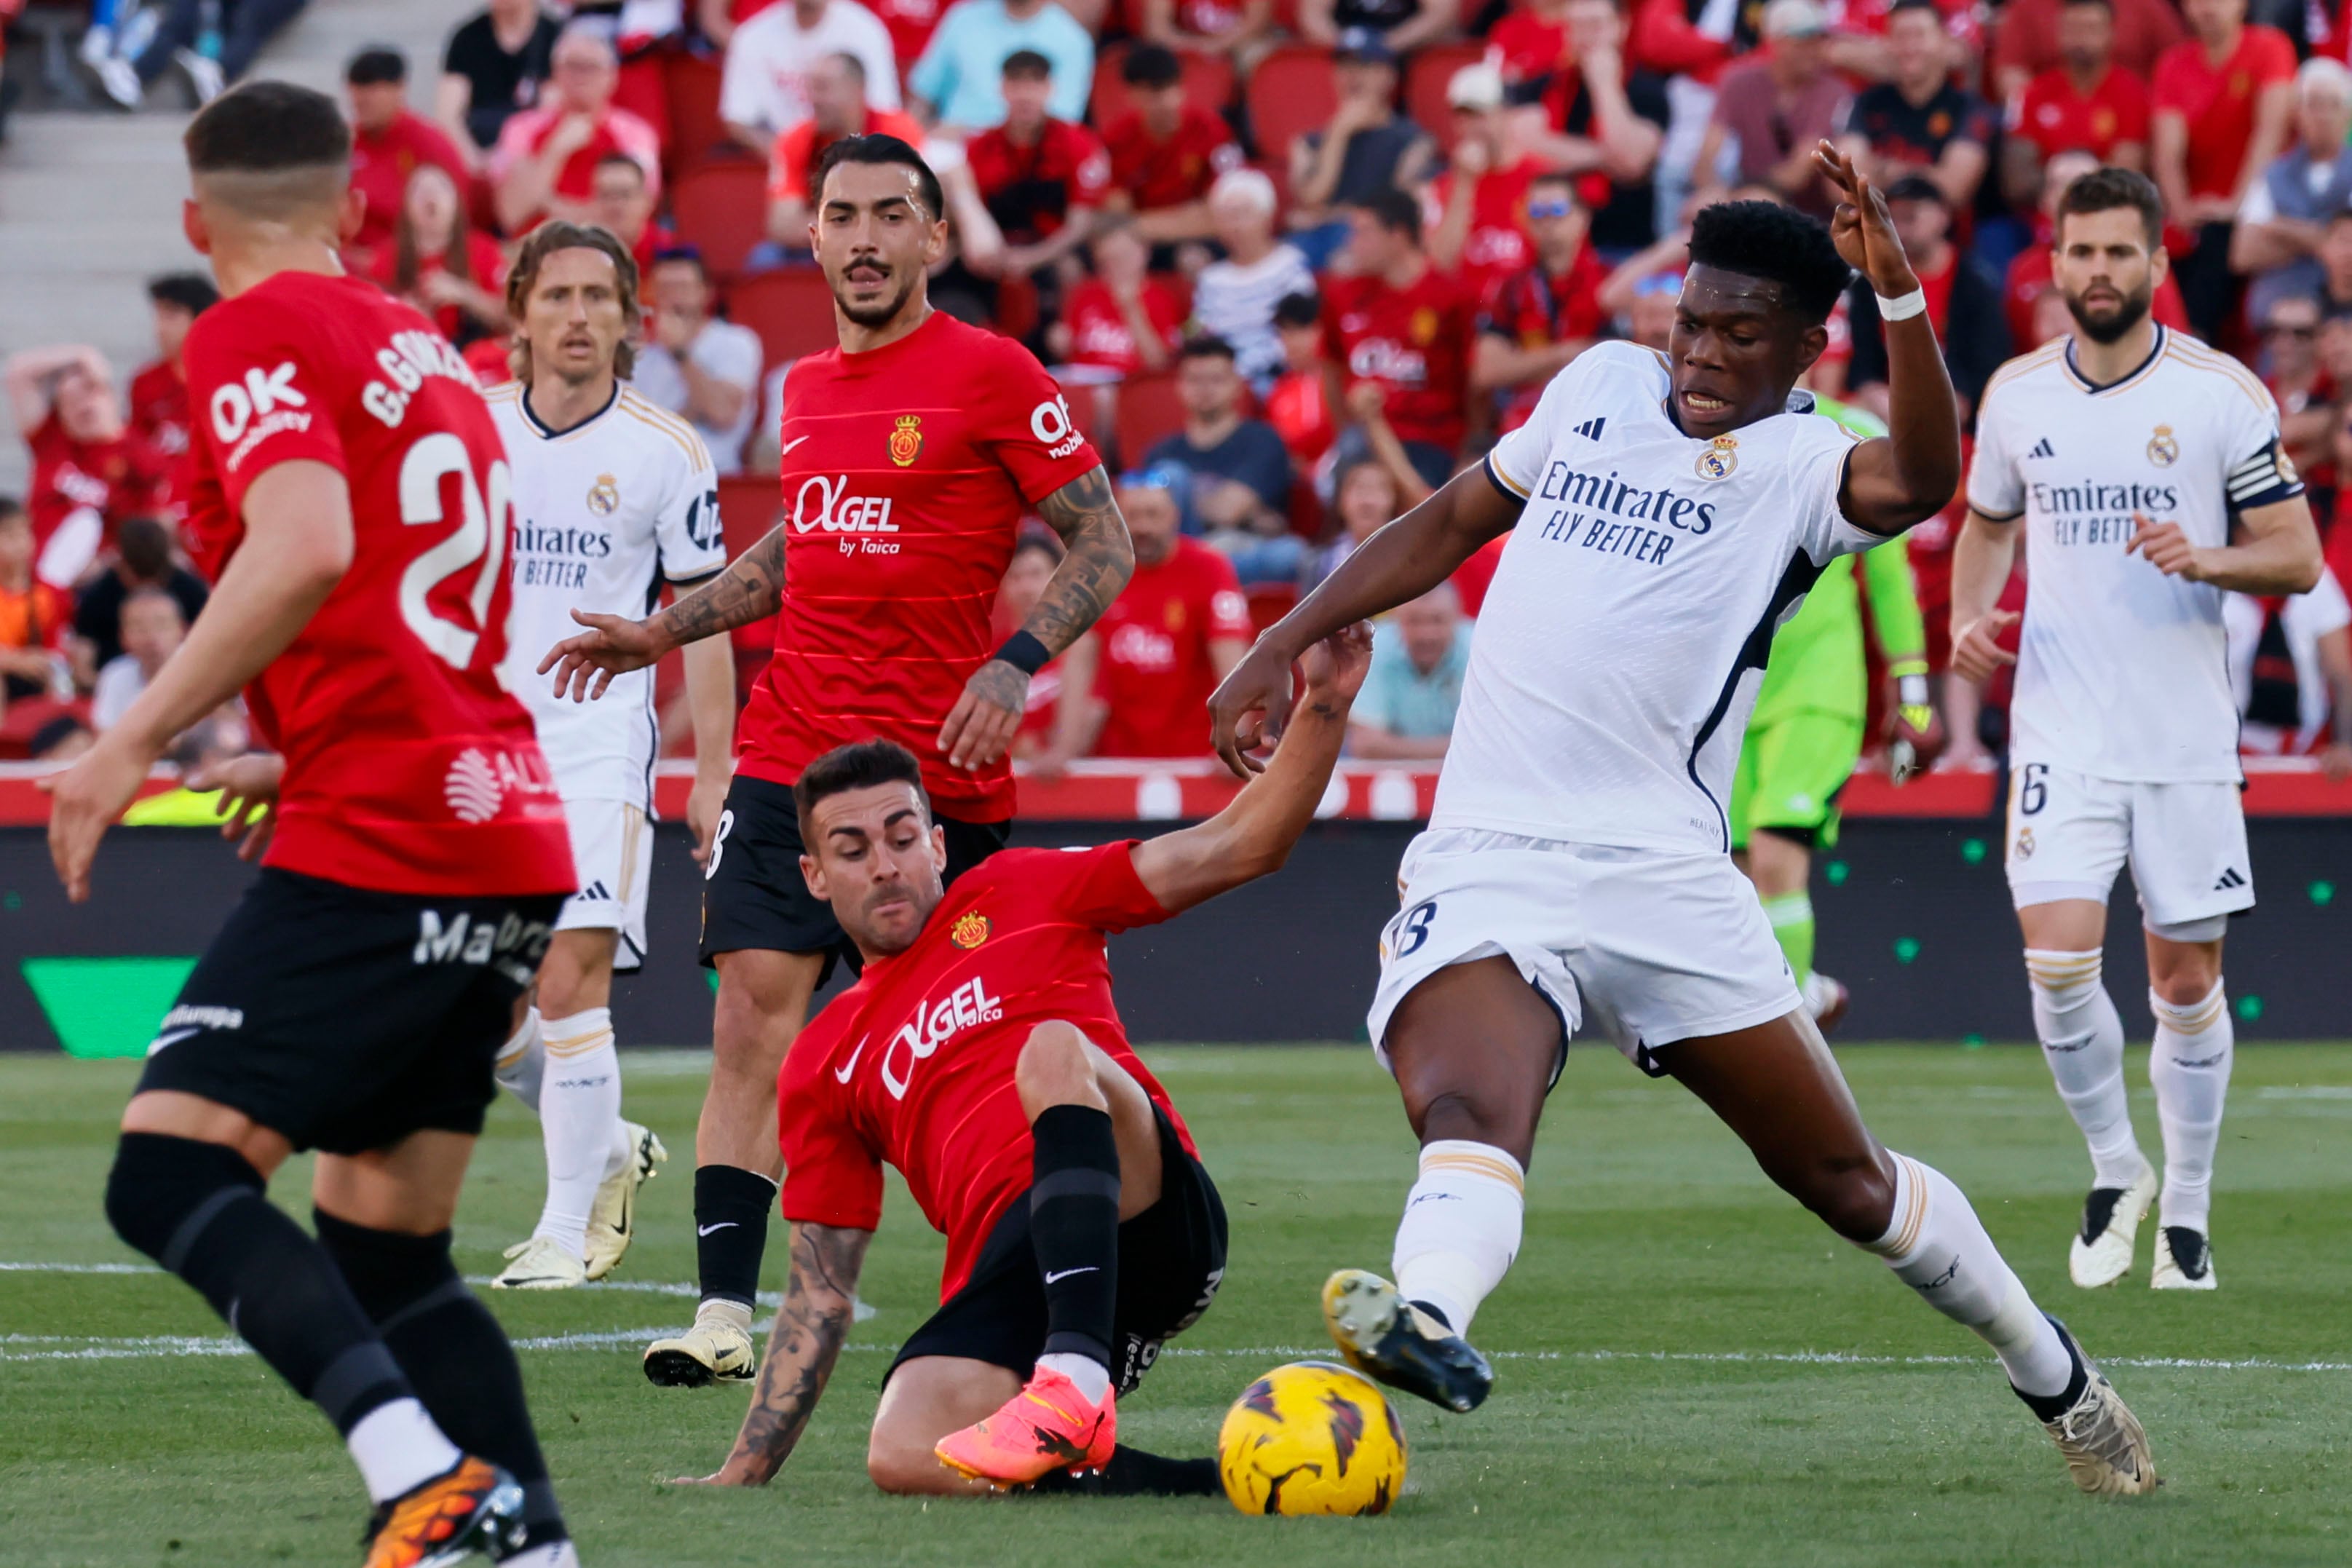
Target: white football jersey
<point>602,513</point>
<point>1619,646</point>
<point>2123,672</point>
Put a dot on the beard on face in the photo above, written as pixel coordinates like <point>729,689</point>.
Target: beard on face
<point>874,315</point>
<point>2128,315</point>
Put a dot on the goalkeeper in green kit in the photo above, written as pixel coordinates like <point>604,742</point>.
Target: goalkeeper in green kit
<point>1807,732</point>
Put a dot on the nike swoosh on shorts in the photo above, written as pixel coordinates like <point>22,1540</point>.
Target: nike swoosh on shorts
<point>173,1039</point>
<point>1066,1273</point>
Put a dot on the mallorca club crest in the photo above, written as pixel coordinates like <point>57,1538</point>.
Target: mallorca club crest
<point>1720,458</point>
<point>2162,449</point>
<point>970,931</point>
<point>906,440</point>
<point>604,496</point>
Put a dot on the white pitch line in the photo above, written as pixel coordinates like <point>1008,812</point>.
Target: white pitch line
<point>636,1286</point>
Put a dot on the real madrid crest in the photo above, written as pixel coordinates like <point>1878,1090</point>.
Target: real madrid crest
<point>2162,449</point>
<point>2024,843</point>
<point>603,496</point>
<point>1721,457</point>
<point>907,445</point>
<point>970,931</point>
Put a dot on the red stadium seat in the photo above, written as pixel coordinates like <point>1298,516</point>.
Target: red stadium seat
<point>1017,307</point>
<point>722,209</point>
<point>695,127</point>
<point>1424,87</point>
<point>1208,82</point>
<point>1269,602</point>
<point>791,309</point>
<point>1149,410</point>
<point>1290,93</point>
<point>750,506</point>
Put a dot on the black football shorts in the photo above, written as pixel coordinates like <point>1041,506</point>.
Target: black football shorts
<point>347,1019</point>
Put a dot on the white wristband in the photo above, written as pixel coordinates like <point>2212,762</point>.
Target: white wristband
<point>1915,304</point>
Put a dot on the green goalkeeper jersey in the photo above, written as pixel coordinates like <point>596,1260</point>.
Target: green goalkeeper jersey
<point>1817,662</point>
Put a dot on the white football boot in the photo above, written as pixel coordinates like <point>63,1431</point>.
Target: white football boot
<point>718,1349</point>
<point>2101,1254</point>
<point>2184,1260</point>
<point>540,1264</point>
<point>2106,1447</point>
<point>612,1220</point>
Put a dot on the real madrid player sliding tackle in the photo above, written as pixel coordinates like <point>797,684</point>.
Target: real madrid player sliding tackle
<point>981,1053</point>
<point>1665,513</point>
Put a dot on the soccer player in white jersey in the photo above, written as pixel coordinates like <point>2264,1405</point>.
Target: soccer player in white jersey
<point>2144,472</point>
<point>613,496</point>
<point>1665,513</point>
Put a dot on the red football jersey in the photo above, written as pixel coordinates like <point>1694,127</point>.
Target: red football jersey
<point>1415,342</point>
<point>409,769</point>
<point>1528,48</point>
<point>1531,308</point>
<point>1498,242</point>
<point>1169,174</point>
<point>912,1066</point>
<point>1029,191</point>
<point>1099,334</point>
<point>114,479</point>
<point>159,407</point>
<point>2056,118</point>
<point>2218,101</point>
<point>1155,672</point>
<point>906,473</point>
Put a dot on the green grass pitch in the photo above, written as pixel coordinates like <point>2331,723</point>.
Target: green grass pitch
<point>1691,1371</point>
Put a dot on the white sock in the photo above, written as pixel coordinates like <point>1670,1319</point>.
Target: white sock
<point>579,1119</point>
<point>546,1554</point>
<point>1092,1378</point>
<point>398,1448</point>
<point>2190,1069</point>
<point>1937,1245</point>
<point>2082,1040</point>
<point>522,1060</point>
<point>1461,1227</point>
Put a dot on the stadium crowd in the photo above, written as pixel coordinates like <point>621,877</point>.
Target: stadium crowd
<point>1296,262</point>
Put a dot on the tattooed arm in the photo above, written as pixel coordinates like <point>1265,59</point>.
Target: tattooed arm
<point>1098,561</point>
<point>752,589</point>
<point>819,1300</point>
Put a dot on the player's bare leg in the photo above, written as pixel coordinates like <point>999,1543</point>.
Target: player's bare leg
<point>2190,1066</point>
<point>2082,1037</point>
<point>1782,869</point>
<point>763,1000</point>
<point>1777,1086</point>
<point>927,1398</point>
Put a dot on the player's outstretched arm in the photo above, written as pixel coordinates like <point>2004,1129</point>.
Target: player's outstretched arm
<point>820,1299</point>
<point>1907,475</point>
<point>2278,550</point>
<point>1401,562</point>
<point>750,589</point>
<point>1253,836</point>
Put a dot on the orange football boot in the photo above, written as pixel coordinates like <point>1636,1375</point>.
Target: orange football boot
<point>1049,1425</point>
<point>475,1507</point>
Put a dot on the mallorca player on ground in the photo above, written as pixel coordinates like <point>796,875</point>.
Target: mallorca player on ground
<point>909,455</point>
<point>2133,456</point>
<point>613,496</point>
<point>350,499</point>
<point>981,1055</point>
<point>1665,513</point>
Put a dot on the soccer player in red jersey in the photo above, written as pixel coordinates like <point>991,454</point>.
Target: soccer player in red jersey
<point>981,1055</point>
<point>350,502</point>
<point>909,455</point>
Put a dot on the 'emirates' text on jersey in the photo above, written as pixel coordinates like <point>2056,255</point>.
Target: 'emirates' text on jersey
<point>906,472</point>
<point>1621,643</point>
<point>2123,672</point>
<point>602,513</point>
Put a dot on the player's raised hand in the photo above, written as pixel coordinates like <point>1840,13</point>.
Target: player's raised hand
<point>1334,668</point>
<point>612,645</point>
<point>249,792</point>
<point>1249,706</point>
<point>86,800</point>
<point>1977,653</point>
<point>986,717</point>
<point>1862,227</point>
<point>2166,549</point>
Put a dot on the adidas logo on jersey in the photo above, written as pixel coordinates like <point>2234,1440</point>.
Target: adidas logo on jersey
<point>2229,878</point>
<point>2043,449</point>
<point>595,892</point>
<point>1590,429</point>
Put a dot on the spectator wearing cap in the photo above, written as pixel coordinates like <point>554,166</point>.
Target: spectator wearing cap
<point>958,83</point>
<point>2029,277</point>
<point>1604,120</point>
<point>1041,177</point>
<point>2085,103</point>
<point>1235,299</point>
<point>619,201</point>
<point>1366,147</point>
<point>1963,303</point>
<point>765,91</point>
<point>1421,652</point>
<point>1122,320</point>
<point>545,163</point>
<point>2284,217</point>
<point>144,558</point>
<point>34,617</point>
<point>1166,152</point>
<point>495,66</point>
<point>2029,40</point>
<point>90,469</point>
<point>1474,211</point>
<point>838,107</point>
<point>390,141</point>
<point>1542,316</point>
<point>1397,335</point>
<point>2224,104</point>
<point>1241,29</point>
<point>159,392</point>
<point>704,370</point>
<point>1240,492</point>
<point>1918,123</point>
<point>1770,111</point>
<point>1404,25</point>
<point>1298,404</point>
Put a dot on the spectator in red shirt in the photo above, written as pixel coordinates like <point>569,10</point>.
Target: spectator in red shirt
<point>1398,326</point>
<point>1241,29</point>
<point>1527,44</point>
<point>835,86</point>
<point>1177,629</point>
<point>34,617</point>
<point>1963,302</point>
<point>1918,122</point>
<point>1122,320</point>
<point>1041,179</point>
<point>2029,280</point>
<point>2286,213</point>
<point>2028,42</point>
<point>1166,152</point>
<point>437,262</point>
<point>1054,714</point>
<point>622,205</point>
<point>159,392</point>
<point>2085,102</point>
<point>2223,100</point>
<point>1773,108</point>
<point>390,141</point>
<point>545,163</point>
<point>1475,211</point>
<point>1298,405</point>
<point>90,469</point>
<point>1537,319</point>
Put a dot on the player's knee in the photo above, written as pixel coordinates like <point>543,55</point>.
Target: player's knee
<point>2188,980</point>
<point>1473,1115</point>
<point>1853,1194</point>
<point>904,1469</point>
<point>388,1271</point>
<point>1053,1068</point>
<point>159,1184</point>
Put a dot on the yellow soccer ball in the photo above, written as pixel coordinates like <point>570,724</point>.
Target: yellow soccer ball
<point>1311,1437</point>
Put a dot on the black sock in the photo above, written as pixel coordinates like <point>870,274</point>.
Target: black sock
<point>456,1355</point>
<point>1134,1473</point>
<point>1435,1316</point>
<point>1074,1226</point>
<point>197,1209</point>
<point>730,1230</point>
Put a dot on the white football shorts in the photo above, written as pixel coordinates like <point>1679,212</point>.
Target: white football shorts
<point>2069,833</point>
<point>612,851</point>
<point>1641,945</point>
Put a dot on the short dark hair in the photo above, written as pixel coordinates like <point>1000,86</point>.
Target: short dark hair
<point>861,764</point>
<point>2107,6</point>
<point>1778,244</point>
<point>1561,178</point>
<point>267,128</point>
<point>10,506</point>
<point>1927,5</point>
<point>2104,189</point>
<point>1208,345</point>
<point>1152,65</point>
<point>1297,311</point>
<point>145,545</point>
<point>1026,65</point>
<point>378,65</point>
<point>191,291</point>
<point>875,148</point>
<point>1040,542</point>
<point>1397,211</point>
<point>690,254</point>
